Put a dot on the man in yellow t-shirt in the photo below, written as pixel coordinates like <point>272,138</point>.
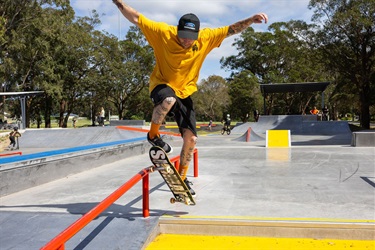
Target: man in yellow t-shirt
<point>179,52</point>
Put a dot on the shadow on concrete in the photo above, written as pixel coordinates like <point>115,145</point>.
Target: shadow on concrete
<point>369,181</point>
<point>116,211</point>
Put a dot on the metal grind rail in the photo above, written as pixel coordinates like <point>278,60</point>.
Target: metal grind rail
<point>58,243</point>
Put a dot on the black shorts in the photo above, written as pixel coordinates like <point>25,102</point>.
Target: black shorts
<point>183,110</point>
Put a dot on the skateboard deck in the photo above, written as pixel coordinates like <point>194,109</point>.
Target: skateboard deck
<point>171,176</point>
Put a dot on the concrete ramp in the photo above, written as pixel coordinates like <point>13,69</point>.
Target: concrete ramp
<point>300,125</point>
<point>250,136</point>
<point>305,130</point>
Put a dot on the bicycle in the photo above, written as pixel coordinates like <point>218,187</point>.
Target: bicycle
<point>227,129</point>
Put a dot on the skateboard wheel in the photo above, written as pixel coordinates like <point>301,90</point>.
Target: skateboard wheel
<point>172,200</point>
<point>187,201</point>
<point>169,170</point>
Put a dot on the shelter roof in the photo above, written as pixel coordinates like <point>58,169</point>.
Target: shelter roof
<point>21,94</point>
<point>293,87</point>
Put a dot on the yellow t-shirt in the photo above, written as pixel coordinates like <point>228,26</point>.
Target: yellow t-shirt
<point>175,66</point>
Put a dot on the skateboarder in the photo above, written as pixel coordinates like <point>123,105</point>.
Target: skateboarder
<point>179,52</point>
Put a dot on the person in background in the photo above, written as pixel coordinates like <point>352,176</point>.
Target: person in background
<point>314,111</point>
<point>325,113</point>
<point>227,122</point>
<point>256,115</point>
<point>101,117</point>
<point>74,121</point>
<point>12,137</point>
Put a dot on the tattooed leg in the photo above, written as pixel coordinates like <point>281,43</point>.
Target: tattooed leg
<point>190,140</point>
<point>162,109</point>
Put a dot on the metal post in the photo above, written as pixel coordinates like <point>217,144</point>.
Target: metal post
<point>145,193</point>
<point>195,163</point>
<point>248,134</point>
<point>264,104</point>
<point>23,112</point>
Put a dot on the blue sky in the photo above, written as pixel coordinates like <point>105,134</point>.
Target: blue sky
<point>212,13</point>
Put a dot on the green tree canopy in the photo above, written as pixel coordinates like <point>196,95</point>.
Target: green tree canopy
<point>245,95</point>
<point>281,55</point>
<point>212,98</point>
<point>346,41</point>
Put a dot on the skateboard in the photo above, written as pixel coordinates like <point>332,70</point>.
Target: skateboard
<point>171,176</point>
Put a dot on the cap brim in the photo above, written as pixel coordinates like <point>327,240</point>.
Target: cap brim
<point>187,34</point>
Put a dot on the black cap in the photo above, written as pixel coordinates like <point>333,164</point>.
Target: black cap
<point>188,26</point>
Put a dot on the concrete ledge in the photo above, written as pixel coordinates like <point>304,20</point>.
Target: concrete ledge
<point>363,138</point>
<point>22,172</point>
<point>269,228</point>
<point>127,123</point>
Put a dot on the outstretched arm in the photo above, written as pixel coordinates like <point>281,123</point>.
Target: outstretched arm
<point>240,26</point>
<point>131,14</point>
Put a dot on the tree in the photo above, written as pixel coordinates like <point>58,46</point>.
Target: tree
<point>44,47</point>
<point>347,43</point>
<point>125,70</point>
<point>26,53</point>
<point>282,55</point>
<point>139,106</point>
<point>244,94</point>
<point>212,98</point>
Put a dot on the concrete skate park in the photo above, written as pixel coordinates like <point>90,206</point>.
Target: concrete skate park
<point>320,187</point>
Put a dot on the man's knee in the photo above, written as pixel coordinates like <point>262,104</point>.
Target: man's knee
<point>194,140</point>
<point>167,104</point>
<point>162,109</point>
<point>189,137</point>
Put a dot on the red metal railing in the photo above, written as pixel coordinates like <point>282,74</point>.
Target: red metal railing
<point>58,243</point>
<point>9,154</point>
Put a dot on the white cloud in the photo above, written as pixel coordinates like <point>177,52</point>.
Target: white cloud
<point>85,6</point>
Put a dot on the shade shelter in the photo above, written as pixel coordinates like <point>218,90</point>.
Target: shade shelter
<point>22,96</point>
<point>291,88</point>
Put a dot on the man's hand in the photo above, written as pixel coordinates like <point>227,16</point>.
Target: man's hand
<point>258,18</point>
<point>119,5</point>
<point>129,13</point>
<point>242,25</point>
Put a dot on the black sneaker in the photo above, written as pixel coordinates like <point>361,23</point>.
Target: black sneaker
<point>157,141</point>
<point>188,183</point>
